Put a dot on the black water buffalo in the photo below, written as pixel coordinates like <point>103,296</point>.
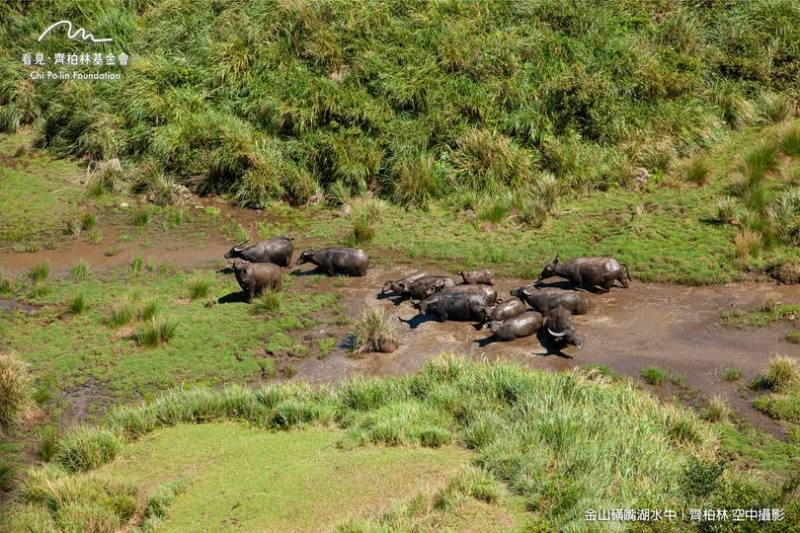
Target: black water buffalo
<point>458,306</point>
<point>400,286</point>
<point>424,286</point>
<point>543,300</point>
<point>518,326</point>
<point>561,327</point>
<point>508,309</point>
<point>337,260</point>
<point>485,290</point>
<point>482,276</point>
<point>276,250</point>
<point>253,278</point>
<point>589,272</point>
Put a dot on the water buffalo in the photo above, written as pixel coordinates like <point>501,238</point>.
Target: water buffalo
<point>424,286</point>
<point>253,278</point>
<point>518,326</point>
<point>400,286</point>
<point>483,276</point>
<point>276,250</point>
<point>459,306</point>
<point>589,272</point>
<point>561,327</point>
<point>337,260</point>
<point>543,300</point>
<point>508,309</point>
<point>485,290</point>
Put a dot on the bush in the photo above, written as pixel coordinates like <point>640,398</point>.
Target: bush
<point>654,375</point>
<point>14,400</point>
<point>156,333</point>
<point>199,288</point>
<point>374,332</point>
<point>85,448</point>
<point>40,272</point>
<point>747,243</point>
<point>487,161</point>
<point>418,181</point>
<point>80,270</point>
<point>78,304</point>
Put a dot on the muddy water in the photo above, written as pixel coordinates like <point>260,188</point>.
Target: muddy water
<point>627,329</point>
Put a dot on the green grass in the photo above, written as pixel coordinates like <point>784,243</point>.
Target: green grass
<point>101,344</point>
<point>740,318</point>
<point>78,304</point>
<point>39,272</point>
<point>80,270</point>
<point>654,375</point>
<point>200,288</point>
<point>731,374</point>
<point>534,434</point>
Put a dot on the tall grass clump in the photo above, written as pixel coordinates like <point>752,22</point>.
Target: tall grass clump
<point>790,140</point>
<point>269,302</point>
<point>199,288</point>
<point>773,107</point>
<point>78,304</point>
<point>6,283</point>
<point>365,214</point>
<point>747,243</point>
<point>150,310</point>
<point>418,181</point>
<point>14,399</point>
<point>80,270</point>
<point>784,216</point>
<point>120,315</point>
<point>781,374</point>
<point>157,332</point>
<point>374,332</point>
<point>727,210</point>
<point>697,170</point>
<point>40,272</point>
<point>85,448</point>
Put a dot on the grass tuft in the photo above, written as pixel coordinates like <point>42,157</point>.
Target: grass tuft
<point>80,270</point>
<point>156,332</point>
<point>40,272</point>
<point>781,374</point>
<point>269,302</point>
<point>374,332</point>
<point>747,243</point>
<point>78,304</point>
<point>654,375</point>
<point>14,400</point>
<point>85,448</point>
<point>199,288</point>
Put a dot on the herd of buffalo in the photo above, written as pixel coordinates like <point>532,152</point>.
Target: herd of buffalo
<point>471,297</point>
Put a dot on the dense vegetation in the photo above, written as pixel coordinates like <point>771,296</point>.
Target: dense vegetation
<point>413,100</point>
<point>566,442</point>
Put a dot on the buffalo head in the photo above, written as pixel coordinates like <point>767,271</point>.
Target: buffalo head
<point>236,251</point>
<point>549,269</point>
<point>305,257</point>
<point>238,265</point>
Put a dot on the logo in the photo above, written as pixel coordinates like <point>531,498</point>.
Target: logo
<point>78,34</point>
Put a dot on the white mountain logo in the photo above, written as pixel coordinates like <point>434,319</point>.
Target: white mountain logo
<point>78,34</point>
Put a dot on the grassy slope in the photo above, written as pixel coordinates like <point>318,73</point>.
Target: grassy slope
<point>247,479</point>
<point>38,195</point>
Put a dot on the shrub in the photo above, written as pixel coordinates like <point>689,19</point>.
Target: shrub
<point>78,304</point>
<point>268,302</point>
<point>487,161</point>
<point>199,288</point>
<point>80,270</point>
<point>731,374</point>
<point>782,373</point>
<point>86,448</point>
<point>374,332</point>
<point>717,409</point>
<point>654,375</point>
<point>747,243</point>
<point>156,333</point>
<point>418,180</point>
<point>40,272</point>
<point>14,401</point>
